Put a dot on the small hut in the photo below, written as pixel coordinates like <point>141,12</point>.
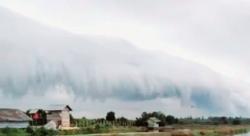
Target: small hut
<point>153,123</point>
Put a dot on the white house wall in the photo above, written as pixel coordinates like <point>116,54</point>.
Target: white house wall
<point>65,118</point>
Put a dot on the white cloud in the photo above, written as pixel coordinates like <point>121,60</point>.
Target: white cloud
<point>45,57</point>
<point>213,33</point>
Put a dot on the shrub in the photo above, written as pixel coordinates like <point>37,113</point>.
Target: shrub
<point>236,121</point>
<point>12,132</point>
<point>42,132</point>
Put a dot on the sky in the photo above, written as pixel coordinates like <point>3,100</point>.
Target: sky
<point>131,53</point>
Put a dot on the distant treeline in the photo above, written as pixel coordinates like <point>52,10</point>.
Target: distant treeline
<point>111,120</point>
<point>222,120</point>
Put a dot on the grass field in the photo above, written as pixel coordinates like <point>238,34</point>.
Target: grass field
<point>182,130</point>
<point>177,130</point>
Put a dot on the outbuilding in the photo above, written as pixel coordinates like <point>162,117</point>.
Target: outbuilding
<point>13,118</point>
<point>60,114</point>
<point>153,124</point>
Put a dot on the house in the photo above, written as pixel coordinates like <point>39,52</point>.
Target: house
<point>13,118</point>
<point>38,117</point>
<point>34,114</point>
<point>153,123</point>
<point>60,114</point>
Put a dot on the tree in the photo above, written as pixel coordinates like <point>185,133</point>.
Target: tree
<point>142,121</point>
<point>144,115</point>
<point>170,119</point>
<point>162,117</point>
<point>43,115</point>
<point>223,120</point>
<point>110,116</point>
<point>236,121</point>
<point>123,121</point>
<point>72,120</point>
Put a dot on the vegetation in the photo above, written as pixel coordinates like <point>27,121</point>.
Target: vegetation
<point>215,121</point>
<point>164,120</point>
<point>220,131</point>
<point>211,126</point>
<point>111,124</point>
<point>12,132</point>
<point>41,132</point>
<point>27,132</point>
<point>110,116</point>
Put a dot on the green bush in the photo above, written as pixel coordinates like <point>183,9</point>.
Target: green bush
<point>12,132</point>
<point>41,132</point>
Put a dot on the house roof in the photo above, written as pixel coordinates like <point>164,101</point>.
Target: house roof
<point>32,111</point>
<point>14,115</point>
<point>57,108</point>
<point>153,120</point>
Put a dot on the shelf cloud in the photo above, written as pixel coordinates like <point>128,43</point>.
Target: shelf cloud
<point>48,64</point>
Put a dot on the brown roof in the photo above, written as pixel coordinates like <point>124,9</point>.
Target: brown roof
<point>14,115</point>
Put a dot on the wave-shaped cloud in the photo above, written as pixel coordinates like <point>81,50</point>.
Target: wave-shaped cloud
<point>37,58</point>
